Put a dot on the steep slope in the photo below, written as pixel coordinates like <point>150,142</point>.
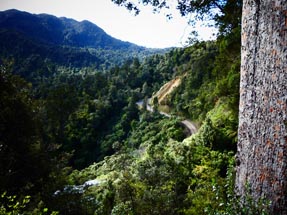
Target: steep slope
<point>163,94</point>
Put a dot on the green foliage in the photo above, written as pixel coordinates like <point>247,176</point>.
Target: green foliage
<point>80,117</point>
<point>211,72</point>
<point>230,204</point>
<point>10,206</point>
<point>144,163</point>
<point>86,112</point>
<point>156,174</point>
<point>21,148</point>
<point>36,42</point>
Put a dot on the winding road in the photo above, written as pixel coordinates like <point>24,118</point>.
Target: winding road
<point>189,125</point>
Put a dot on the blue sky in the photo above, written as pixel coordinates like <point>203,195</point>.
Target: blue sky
<point>147,29</point>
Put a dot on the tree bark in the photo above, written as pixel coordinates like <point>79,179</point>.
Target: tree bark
<point>262,135</point>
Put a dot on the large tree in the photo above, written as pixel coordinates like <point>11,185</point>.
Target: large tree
<point>262,142</point>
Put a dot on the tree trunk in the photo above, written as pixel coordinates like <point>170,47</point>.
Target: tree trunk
<point>262,135</point>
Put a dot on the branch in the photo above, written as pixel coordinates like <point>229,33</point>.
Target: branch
<point>218,6</point>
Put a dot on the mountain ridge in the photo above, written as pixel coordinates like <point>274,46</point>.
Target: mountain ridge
<point>64,31</point>
<point>41,39</point>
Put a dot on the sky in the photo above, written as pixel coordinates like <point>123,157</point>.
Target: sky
<point>146,29</point>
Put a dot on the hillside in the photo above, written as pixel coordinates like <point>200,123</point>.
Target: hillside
<point>165,91</point>
<point>36,41</point>
<point>77,127</point>
<point>48,29</point>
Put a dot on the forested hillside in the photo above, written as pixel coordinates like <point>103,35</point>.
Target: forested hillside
<point>37,42</point>
<point>80,118</point>
<point>74,141</point>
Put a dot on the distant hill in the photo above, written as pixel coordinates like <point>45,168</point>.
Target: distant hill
<point>62,31</point>
<point>32,40</point>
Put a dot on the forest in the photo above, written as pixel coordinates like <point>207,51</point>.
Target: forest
<point>73,139</point>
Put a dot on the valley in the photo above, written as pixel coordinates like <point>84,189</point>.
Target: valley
<point>70,118</point>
